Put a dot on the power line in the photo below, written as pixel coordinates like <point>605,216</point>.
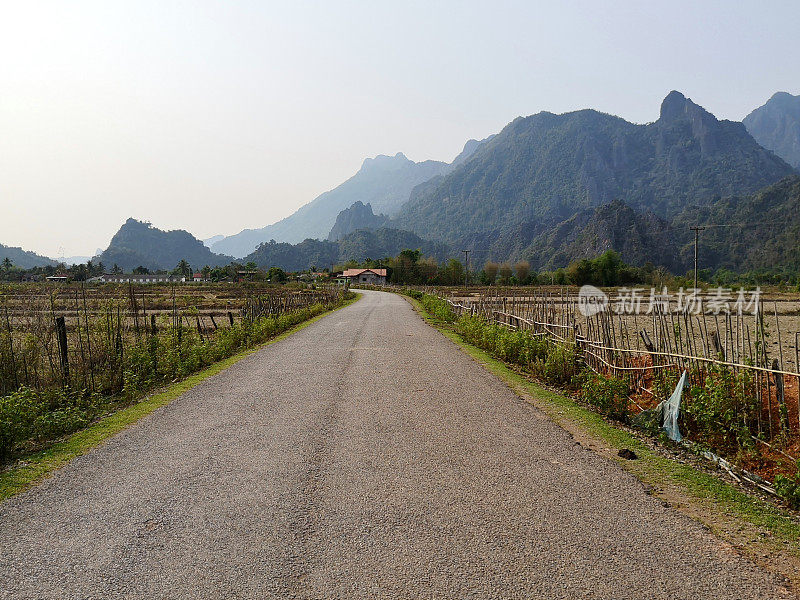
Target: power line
<point>744,224</point>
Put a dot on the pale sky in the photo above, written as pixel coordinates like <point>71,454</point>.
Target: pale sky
<point>216,116</point>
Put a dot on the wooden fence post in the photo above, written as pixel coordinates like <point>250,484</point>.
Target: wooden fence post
<point>61,335</point>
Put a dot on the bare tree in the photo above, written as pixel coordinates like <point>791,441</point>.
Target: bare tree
<point>505,273</point>
<point>491,268</point>
<point>522,269</point>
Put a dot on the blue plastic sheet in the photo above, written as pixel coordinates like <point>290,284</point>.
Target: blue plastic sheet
<point>669,411</point>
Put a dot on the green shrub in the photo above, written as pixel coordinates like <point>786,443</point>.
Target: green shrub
<point>725,408</point>
<point>608,394</point>
<point>438,308</point>
<point>560,365</point>
<point>518,347</point>
<point>789,487</point>
<point>28,416</point>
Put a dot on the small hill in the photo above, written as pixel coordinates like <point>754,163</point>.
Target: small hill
<point>548,167</point>
<point>776,126</point>
<point>385,182</point>
<point>358,245</point>
<point>358,216</point>
<point>24,259</point>
<point>140,244</point>
<point>755,232</point>
<point>640,237</point>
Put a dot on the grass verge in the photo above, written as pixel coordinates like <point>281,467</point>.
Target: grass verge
<point>31,469</point>
<point>766,533</point>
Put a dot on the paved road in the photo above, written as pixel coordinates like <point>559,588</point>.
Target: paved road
<point>364,457</point>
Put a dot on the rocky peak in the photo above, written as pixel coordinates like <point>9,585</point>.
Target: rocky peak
<point>383,162</point>
<point>358,216</point>
<point>676,106</point>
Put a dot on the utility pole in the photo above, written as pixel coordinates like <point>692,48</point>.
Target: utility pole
<point>466,266</point>
<point>697,231</point>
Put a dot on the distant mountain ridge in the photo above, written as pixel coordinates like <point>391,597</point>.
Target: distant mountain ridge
<point>358,245</point>
<point>384,181</point>
<point>546,167</point>
<point>24,259</point>
<point>776,126</point>
<point>550,189</point>
<point>140,244</point>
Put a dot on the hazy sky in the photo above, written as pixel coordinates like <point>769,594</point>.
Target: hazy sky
<point>216,116</point>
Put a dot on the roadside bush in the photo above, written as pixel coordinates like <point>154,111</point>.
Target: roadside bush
<point>560,365</point>
<point>789,488</point>
<point>518,347</point>
<point>608,394</point>
<point>438,308</point>
<point>28,416</point>
<point>724,408</point>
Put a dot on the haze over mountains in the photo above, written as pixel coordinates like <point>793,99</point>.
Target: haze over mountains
<point>776,126</point>
<point>546,167</point>
<point>547,188</point>
<point>383,181</point>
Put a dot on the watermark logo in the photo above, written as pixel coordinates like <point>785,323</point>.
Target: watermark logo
<point>637,301</point>
<point>591,300</point>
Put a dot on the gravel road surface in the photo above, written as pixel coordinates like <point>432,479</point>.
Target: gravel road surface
<point>365,456</point>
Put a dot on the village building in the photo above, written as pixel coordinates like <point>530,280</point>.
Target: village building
<point>367,276</point>
<point>136,278</point>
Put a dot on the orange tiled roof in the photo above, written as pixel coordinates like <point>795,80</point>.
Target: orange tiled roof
<point>357,272</point>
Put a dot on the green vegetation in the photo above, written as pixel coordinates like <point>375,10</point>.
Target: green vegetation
<point>789,487</point>
<point>20,476</point>
<point>709,492</point>
<point>721,414</point>
<point>354,248</point>
<point>31,417</point>
<point>11,257</point>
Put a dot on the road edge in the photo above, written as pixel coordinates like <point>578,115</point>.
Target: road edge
<point>757,529</point>
<point>31,470</point>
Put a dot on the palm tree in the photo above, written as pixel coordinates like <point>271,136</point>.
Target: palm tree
<point>183,268</point>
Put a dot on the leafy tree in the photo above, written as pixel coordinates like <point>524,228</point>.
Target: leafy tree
<point>140,270</point>
<point>80,273</point>
<point>581,272</point>
<point>183,269</point>
<point>276,274</point>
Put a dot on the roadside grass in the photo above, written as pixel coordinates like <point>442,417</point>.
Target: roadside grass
<point>33,468</point>
<point>747,521</point>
